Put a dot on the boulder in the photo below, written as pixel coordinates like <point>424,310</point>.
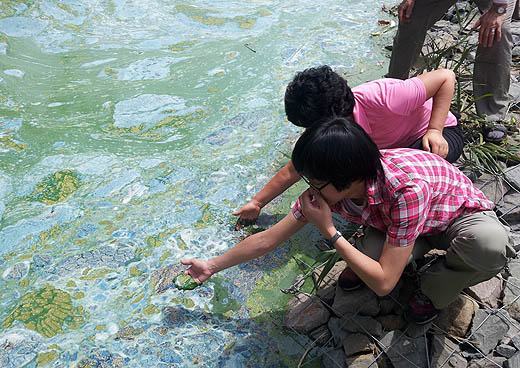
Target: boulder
<point>334,359</point>
<point>487,330</point>
<point>456,318</point>
<point>362,361</point>
<point>446,353</point>
<point>487,292</point>
<point>362,301</point>
<point>362,324</point>
<point>403,351</point>
<point>357,343</point>
<point>306,313</point>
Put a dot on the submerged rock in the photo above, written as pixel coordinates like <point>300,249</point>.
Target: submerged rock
<point>185,282</point>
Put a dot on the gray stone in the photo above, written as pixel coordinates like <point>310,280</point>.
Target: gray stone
<point>513,362</point>
<point>487,330</point>
<point>445,353</point>
<point>511,291</point>
<point>362,301</point>
<point>404,352</point>
<point>103,358</point>
<point>512,175</point>
<point>334,359</point>
<point>305,313</point>
<point>487,292</point>
<point>509,208</point>
<point>413,330</point>
<point>362,361</point>
<point>338,334</point>
<point>17,271</point>
<point>392,322</point>
<point>514,268</point>
<point>456,318</point>
<point>492,186</point>
<point>321,335</point>
<point>327,288</point>
<point>362,324</point>
<point>128,333</point>
<point>488,362</point>
<point>358,343</point>
<point>506,350</point>
<point>41,261</point>
<point>514,240</point>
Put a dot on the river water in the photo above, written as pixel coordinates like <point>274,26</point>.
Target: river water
<point>129,132</point>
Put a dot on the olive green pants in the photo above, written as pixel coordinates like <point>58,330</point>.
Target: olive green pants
<point>477,247</point>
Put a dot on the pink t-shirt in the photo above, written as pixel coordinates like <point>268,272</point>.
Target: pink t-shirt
<point>394,112</point>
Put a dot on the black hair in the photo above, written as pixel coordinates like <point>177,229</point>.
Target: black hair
<point>315,94</point>
<point>338,151</point>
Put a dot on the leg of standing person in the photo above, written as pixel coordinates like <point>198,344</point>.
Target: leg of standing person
<point>491,74</point>
<point>410,35</point>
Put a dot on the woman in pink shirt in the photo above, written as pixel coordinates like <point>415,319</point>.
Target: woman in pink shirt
<point>395,113</point>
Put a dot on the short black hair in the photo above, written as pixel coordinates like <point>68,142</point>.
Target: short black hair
<point>338,151</point>
<point>315,94</point>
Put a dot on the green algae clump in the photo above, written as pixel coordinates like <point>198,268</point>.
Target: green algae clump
<point>185,282</point>
<point>56,187</point>
<point>46,311</point>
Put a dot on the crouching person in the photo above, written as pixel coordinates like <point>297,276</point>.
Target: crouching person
<point>410,201</point>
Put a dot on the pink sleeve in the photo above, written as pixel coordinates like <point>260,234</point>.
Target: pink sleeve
<point>297,212</point>
<point>404,97</point>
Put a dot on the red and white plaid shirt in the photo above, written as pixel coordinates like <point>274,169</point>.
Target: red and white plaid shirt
<point>419,193</point>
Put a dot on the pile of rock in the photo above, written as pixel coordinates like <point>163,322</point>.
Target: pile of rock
<point>480,329</point>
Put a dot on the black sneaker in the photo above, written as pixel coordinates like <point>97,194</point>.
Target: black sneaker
<point>421,310</point>
<point>348,280</point>
<point>495,133</point>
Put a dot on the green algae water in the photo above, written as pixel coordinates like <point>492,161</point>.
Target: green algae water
<point>129,132</point>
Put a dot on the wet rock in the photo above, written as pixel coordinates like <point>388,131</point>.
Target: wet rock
<point>487,292</point>
<point>335,358</point>
<point>456,318</point>
<point>362,324</point>
<point>163,278</point>
<point>446,353</point>
<point>41,261</point>
<point>111,256</point>
<point>338,333</point>
<point>358,343</point>
<point>403,351</point>
<point>392,322</point>
<point>487,330</point>
<point>305,313</point>
<point>362,301</point>
<point>506,350</point>
<point>17,271</point>
<point>128,333</point>
<point>104,359</point>
<point>362,361</point>
<point>321,335</point>
<point>170,356</point>
<point>18,348</point>
<point>327,288</point>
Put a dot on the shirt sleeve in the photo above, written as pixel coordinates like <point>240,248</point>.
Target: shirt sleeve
<point>408,214</point>
<point>406,96</point>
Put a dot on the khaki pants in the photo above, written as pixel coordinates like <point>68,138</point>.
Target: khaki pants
<point>477,248</point>
<point>491,72</point>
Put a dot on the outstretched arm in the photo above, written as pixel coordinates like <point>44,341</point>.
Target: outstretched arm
<point>440,85</point>
<point>286,177</point>
<point>250,248</point>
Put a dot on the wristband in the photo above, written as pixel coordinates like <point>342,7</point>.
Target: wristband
<point>336,236</point>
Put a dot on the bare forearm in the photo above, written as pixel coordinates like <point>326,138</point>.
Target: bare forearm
<point>285,178</point>
<point>440,86</point>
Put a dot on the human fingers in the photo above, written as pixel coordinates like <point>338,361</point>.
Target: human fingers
<point>409,10</point>
<point>426,144</point>
<point>241,222</point>
<point>187,262</point>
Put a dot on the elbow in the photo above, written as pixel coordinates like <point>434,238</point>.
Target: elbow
<point>450,76</point>
<point>384,289</point>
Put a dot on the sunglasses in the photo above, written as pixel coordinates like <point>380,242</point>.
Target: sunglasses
<point>314,186</point>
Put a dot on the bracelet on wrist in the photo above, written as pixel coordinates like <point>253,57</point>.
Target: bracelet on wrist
<point>333,240</point>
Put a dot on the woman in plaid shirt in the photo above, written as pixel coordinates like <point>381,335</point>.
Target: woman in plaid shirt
<point>410,201</point>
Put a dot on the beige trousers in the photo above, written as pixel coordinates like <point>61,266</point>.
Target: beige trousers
<point>477,248</point>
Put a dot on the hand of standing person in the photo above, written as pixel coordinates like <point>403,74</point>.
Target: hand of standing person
<point>200,270</point>
<point>405,10</point>
<point>490,24</point>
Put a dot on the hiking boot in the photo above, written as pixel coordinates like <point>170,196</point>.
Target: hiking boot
<point>420,310</point>
<point>495,133</point>
<point>348,280</point>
